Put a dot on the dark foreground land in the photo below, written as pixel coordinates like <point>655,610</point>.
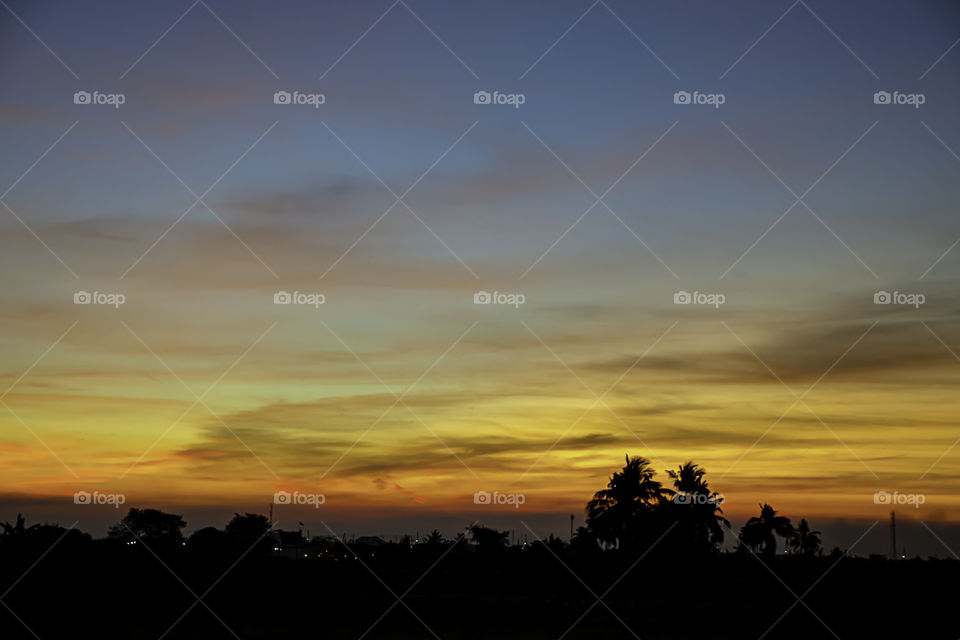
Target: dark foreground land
<point>109,589</point>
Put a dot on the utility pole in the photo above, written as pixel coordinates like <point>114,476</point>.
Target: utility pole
<point>893,535</point>
<point>571,527</point>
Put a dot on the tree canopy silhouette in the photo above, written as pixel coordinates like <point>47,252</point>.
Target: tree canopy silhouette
<point>248,528</point>
<point>760,532</point>
<point>806,542</point>
<point>486,539</point>
<point>623,513</point>
<point>635,510</point>
<point>151,527</point>
<point>696,509</point>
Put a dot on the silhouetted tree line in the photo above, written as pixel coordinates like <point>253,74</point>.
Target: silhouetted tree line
<point>654,553</point>
<point>634,513</point>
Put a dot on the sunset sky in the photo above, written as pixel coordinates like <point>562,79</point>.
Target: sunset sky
<point>597,199</point>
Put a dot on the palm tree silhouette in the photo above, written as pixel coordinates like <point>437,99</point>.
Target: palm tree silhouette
<point>620,514</point>
<point>696,507</point>
<point>761,532</point>
<point>806,542</point>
